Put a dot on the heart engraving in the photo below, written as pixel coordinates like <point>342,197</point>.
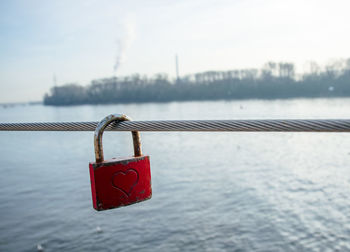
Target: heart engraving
<point>125,181</point>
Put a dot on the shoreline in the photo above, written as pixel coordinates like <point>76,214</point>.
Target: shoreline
<point>199,100</point>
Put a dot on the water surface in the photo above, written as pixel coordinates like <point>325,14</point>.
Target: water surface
<point>211,191</point>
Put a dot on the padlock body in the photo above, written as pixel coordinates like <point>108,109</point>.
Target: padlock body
<point>120,182</point>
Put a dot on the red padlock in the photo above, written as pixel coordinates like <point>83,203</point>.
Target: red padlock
<point>119,181</point>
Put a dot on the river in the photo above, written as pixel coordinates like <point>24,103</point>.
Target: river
<point>229,191</point>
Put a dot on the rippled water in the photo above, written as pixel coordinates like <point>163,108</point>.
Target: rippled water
<point>211,191</point>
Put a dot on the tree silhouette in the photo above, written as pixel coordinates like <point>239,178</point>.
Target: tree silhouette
<point>273,81</point>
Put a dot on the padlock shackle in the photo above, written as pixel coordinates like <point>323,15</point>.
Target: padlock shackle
<point>99,132</point>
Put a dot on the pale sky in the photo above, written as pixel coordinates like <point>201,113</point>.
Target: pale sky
<point>81,40</point>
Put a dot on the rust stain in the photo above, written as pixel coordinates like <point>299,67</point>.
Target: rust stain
<point>116,118</point>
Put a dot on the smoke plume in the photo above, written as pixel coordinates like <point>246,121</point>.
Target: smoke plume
<point>123,45</point>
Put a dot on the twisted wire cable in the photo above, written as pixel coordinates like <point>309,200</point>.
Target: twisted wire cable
<point>341,125</point>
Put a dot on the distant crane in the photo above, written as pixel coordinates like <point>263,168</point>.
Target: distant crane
<point>177,69</point>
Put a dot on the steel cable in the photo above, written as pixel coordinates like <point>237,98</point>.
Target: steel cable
<point>341,125</point>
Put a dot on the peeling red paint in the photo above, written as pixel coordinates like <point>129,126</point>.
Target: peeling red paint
<point>120,182</point>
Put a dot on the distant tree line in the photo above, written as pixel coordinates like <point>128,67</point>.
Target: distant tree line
<point>273,81</point>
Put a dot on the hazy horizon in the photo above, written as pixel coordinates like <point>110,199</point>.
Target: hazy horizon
<point>85,40</point>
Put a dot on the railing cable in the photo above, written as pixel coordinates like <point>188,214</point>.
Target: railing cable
<point>329,125</point>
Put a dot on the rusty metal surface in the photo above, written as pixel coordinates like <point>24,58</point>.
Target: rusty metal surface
<point>116,118</point>
<point>119,160</point>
